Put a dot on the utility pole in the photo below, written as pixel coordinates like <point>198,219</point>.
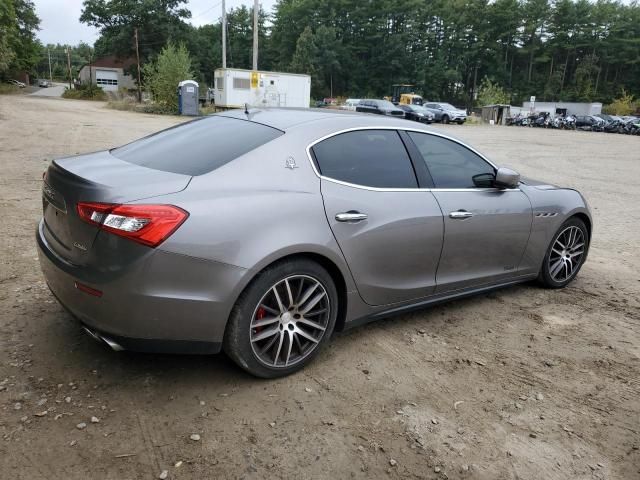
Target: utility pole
<point>256,9</point>
<point>50,75</point>
<point>69,64</point>
<point>138,61</point>
<point>224,36</point>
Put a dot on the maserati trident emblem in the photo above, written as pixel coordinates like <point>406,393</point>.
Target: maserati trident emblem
<point>291,163</point>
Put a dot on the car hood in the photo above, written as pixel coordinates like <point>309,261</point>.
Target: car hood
<point>540,185</point>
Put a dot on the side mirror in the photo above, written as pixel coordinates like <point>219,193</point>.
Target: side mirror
<point>484,180</point>
<point>507,178</point>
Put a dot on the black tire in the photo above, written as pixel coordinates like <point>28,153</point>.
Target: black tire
<point>237,341</point>
<point>445,119</point>
<point>545,277</point>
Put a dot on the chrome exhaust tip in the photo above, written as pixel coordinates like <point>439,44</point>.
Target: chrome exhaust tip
<point>91,333</point>
<point>116,347</point>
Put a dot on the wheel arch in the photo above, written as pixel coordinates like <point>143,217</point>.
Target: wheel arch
<point>337,275</point>
<point>587,221</point>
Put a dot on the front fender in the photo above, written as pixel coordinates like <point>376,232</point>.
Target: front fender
<point>552,206</point>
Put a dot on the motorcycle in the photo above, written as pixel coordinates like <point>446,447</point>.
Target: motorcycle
<point>568,122</point>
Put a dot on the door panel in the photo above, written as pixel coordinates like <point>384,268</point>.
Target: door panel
<point>487,246</point>
<point>393,253</point>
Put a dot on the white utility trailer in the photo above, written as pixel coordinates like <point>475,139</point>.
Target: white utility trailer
<point>234,87</point>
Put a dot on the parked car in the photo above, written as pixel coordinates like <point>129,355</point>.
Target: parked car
<point>417,113</point>
<point>380,107</point>
<point>631,126</point>
<point>445,112</point>
<point>262,233</point>
<point>17,83</point>
<point>350,104</point>
<point>42,83</point>
<point>607,118</point>
<point>589,122</point>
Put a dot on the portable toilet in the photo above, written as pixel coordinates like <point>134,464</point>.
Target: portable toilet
<point>188,97</point>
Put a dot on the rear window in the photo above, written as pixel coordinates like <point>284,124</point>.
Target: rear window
<point>197,147</point>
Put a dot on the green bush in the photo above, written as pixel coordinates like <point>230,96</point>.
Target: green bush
<point>85,92</point>
<point>162,76</point>
<point>491,93</point>
<point>623,105</point>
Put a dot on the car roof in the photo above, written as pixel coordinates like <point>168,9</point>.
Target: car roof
<point>288,118</point>
<point>310,125</point>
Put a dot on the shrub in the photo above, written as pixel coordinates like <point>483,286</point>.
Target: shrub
<point>622,105</point>
<point>163,75</point>
<point>133,106</point>
<point>491,94</point>
<point>85,92</point>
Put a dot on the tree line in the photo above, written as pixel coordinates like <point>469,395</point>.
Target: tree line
<point>576,50</point>
<point>571,50</point>
<point>19,48</point>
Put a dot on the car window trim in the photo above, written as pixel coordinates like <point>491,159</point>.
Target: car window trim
<point>419,165</point>
<point>314,163</point>
<point>419,189</point>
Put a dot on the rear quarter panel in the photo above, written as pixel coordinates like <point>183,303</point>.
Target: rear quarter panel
<point>256,210</point>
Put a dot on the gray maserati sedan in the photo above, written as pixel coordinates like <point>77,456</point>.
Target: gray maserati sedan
<point>260,233</point>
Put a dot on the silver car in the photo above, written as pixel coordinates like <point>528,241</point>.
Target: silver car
<point>445,113</point>
<point>262,233</point>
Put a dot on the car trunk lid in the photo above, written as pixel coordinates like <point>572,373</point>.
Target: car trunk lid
<point>96,177</point>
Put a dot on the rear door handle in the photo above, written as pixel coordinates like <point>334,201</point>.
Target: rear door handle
<point>351,216</point>
<point>460,215</point>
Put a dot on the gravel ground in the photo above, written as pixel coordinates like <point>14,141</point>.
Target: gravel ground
<point>522,383</point>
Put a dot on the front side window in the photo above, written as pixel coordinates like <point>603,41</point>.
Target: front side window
<point>452,165</point>
<point>372,158</point>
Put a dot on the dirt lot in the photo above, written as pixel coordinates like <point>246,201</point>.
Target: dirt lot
<point>523,383</point>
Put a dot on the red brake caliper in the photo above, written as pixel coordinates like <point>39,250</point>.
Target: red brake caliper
<point>260,314</point>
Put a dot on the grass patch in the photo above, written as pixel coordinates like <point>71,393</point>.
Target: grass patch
<point>473,120</point>
<point>133,106</point>
<point>8,89</point>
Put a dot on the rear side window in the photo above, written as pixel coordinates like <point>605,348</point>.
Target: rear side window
<point>372,158</point>
<point>451,165</point>
<point>197,147</point>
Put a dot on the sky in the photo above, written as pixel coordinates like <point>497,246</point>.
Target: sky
<point>59,18</point>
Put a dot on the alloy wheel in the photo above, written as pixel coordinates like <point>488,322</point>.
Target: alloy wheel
<point>566,254</point>
<point>289,321</point>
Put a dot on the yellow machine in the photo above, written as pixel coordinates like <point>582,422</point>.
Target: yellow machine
<point>411,99</point>
<point>404,94</point>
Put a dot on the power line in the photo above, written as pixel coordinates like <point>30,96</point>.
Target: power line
<point>206,11</point>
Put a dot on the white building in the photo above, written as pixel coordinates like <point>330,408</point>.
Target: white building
<point>568,108</point>
<point>108,73</point>
<point>234,87</point>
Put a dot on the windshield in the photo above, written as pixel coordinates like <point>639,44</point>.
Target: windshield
<point>447,106</point>
<point>386,104</point>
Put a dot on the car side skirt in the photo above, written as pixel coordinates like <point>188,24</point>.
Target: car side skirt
<point>435,300</point>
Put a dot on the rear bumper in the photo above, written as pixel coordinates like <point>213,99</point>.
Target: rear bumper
<point>161,302</point>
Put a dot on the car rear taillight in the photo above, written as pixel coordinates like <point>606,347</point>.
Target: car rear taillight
<point>147,224</point>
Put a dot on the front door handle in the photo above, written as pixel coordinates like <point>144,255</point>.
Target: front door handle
<point>351,216</point>
<point>460,215</point>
